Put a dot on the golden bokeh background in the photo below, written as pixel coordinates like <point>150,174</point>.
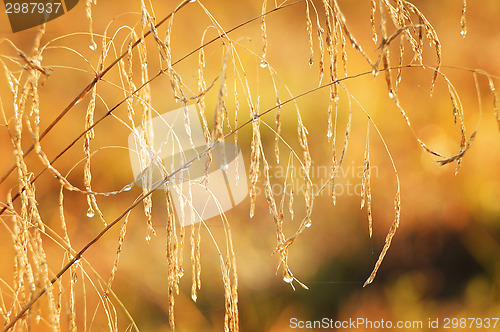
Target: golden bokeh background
<point>444,261</point>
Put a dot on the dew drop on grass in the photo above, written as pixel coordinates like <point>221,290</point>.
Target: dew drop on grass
<point>263,64</point>
<point>288,277</point>
<point>93,46</point>
<point>391,95</point>
<point>463,32</point>
<point>74,278</point>
<point>90,212</point>
<point>194,297</point>
<point>127,187</point>
<point>308,223</point>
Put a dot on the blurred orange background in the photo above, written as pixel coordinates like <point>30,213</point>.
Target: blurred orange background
<point>444,261</point>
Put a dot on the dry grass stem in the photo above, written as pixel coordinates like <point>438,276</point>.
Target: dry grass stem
<point>263,28</point>
<point>309,28</point>
<point>463,21</point>
<point>388,238</point>
<point>494,94</point>
<point>366,193</point>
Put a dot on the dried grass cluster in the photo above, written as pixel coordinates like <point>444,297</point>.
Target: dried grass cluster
<point>396,24</point>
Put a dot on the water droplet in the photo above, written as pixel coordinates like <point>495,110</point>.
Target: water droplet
<point>93,46</point>
<point>78,261</point>
<point>90,212</point>
<point>463,32</point>
<point>308,223</point>
<point>263,64</point>
<point>180,273</point>
<point>224,167</point>
<point>194,297</point>
<point>127,187</point>
<point>192,0</point>
<point>375,73</point>
<point>311,61</point>
<point>38,318</point>
<point>391,94</point>
<point>148,238</point>
<point>288,279</point>
<point>74,278</point>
